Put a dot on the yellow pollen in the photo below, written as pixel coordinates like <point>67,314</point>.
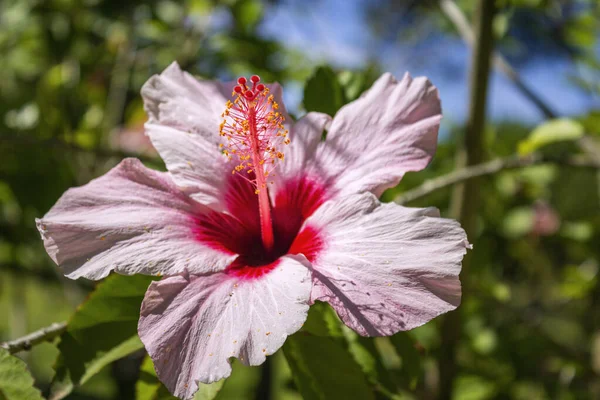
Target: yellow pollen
<point>255,131</point>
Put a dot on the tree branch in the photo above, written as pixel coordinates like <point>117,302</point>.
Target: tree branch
<point>465,198</point>
<point>489,168</point>
<point>28,341</point>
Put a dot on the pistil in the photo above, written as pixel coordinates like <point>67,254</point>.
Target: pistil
<point>254,130</point>
<point>264,203</point>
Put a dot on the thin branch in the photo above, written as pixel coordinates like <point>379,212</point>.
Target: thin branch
<point>489,168</point>
<point>460,22</point>
<point>54,143</point>
<point>456,16</point>
<point>43,335</point>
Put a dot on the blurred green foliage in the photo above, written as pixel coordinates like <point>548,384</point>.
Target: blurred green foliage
<point>70,75</point>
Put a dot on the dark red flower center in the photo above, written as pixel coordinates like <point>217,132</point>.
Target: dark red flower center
<point>239,231</point>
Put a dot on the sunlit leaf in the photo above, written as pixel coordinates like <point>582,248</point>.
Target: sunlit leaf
<point>148,387</point>
<point>247,14</point>
<point>15,381</point>
<point>558,130</point>
<point>406,348</point>
<point>518,222</point>
<point>322,321</point>
<point>474,388</point>
<point>102,330</point>
<point>324,370</point>
<point>366,355</point>
<point>323,92</point>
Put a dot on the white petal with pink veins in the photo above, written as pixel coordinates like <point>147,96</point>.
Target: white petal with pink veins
<point>131,220</point>
<point>194,163</point>
<point>305,138</point>
<point>192,325</point>
<point>391,129</point>
<point>386,268</point>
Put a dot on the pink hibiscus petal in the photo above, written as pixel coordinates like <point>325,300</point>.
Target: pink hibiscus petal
<point>391,129</point>
<point>385,268</point>
<point>305,138</point>
<point>371,142</point>
<point>184,117</point>
<point>131,220</point>
<point>192,325</point>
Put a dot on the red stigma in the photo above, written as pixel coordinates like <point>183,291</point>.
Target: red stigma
<point>249,95</point>
<point>241,80</point>
<point>255,78</point>
<point>260,87</point>
<point>237,89</point>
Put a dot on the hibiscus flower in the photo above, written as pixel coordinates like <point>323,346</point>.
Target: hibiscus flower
<point>258,217</point>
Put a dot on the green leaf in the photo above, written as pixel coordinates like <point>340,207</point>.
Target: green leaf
<point>518,222</point>
<point>473,387</point>
<point>354,83</point>
<point>148,387</point>
<point>16,382</point>
<point>322,321</point>
<point>323,369</point>
<point>367,356</point>
<point>323,92</point>
<point>501,23</point>
<point>102,330</point>
<point>554,131</point>
<point>247,14</point>
<point>563,193</point>
<point>406,348</point>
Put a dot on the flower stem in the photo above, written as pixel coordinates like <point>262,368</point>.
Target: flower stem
<point>465,198</point>
<point>264,204</point>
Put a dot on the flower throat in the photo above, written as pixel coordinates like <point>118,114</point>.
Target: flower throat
<point>254,132</point>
